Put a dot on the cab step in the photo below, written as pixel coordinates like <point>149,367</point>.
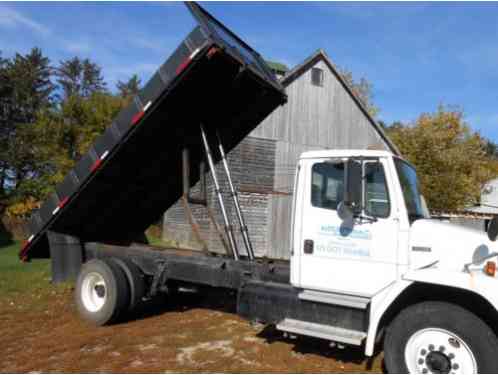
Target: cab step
<point>355,302</point>
<point>336,334</point>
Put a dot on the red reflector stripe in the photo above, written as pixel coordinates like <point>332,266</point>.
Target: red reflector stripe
<point>63,202</point>
<point>24,245</point>
<point>137,117</point>
<point>212,51</point>
<point>24,249</point>
<point>183,65</point>
<point>96,165</point>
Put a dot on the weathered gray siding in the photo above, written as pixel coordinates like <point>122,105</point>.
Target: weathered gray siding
<point>320,116</point>
<point>252,167</point>
<point>314,118</point>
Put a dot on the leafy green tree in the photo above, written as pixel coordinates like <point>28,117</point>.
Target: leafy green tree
<point>82,119</point>
<point>44,130</point>
<point>92,116</point>
<point>129,88</point>
<point>78,80</point>
<point>58,144</point>
<point>451,160</point>
<point>77,77</point>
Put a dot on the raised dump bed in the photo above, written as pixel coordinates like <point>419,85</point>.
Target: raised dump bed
<point>132,173</point>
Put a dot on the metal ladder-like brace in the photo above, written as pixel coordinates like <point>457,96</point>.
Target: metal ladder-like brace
<point>235,195</point>
<point>228,228</point>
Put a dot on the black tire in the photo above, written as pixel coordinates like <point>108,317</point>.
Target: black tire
<point>476,334</point>
<point>114,297</point>
<point>135,281</point>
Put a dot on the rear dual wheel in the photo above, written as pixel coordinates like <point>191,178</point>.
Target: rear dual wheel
<point>106,289</point>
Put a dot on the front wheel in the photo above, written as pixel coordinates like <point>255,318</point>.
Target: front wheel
<point>439,338</point>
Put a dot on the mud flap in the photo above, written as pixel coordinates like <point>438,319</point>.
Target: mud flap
<point>66,253</point>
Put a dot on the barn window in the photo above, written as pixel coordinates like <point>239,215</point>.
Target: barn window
<point>317,76</point>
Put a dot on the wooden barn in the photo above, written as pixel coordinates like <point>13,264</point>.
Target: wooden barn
<point>322,112</point>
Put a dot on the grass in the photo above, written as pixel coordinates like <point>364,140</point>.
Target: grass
<point>154,241</point>
<point>17,277</point>
<point>158,241</point>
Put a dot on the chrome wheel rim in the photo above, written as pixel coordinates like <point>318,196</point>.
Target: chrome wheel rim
<point>438,351</point>
<point>93,291</point>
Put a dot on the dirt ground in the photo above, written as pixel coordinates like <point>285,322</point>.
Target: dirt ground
<point>191,334</point>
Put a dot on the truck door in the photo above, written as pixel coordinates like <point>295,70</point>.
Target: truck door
<point>354,256</point>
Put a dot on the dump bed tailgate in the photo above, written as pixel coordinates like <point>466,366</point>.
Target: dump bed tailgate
<point>132,173</point>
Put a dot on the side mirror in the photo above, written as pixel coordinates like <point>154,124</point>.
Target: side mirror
<point>345,212</point>
<point>353,186</point>
<point>493,229</point>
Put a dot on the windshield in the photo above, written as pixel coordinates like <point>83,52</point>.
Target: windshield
<point>409,184</point>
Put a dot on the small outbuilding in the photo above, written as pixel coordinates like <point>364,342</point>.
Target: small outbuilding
<point>489,199</point>
<point>322,112</point>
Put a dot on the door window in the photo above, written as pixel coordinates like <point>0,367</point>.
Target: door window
<point>327,185</point>
<point>376,194</point>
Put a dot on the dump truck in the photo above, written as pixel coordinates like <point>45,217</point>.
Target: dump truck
<point>368,267</point>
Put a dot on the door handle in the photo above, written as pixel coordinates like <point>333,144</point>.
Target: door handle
<point>308,246</point>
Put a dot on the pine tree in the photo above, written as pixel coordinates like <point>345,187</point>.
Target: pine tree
<point>28,89</point>
<point>5,96</point>
<point>32,87</point>
<point>78,77</point>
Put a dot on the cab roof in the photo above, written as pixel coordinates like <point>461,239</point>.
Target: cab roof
<point>322,154</point>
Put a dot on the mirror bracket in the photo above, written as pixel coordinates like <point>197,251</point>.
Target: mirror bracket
<point>353,185</point>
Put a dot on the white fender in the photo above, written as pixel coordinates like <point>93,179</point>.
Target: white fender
<point>476,282</point>
<point>378,306</point>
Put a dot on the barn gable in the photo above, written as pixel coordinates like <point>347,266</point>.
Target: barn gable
<point>326,115</point>
<point>322,112</point>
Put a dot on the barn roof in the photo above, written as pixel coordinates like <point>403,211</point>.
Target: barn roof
<point>320,54</point>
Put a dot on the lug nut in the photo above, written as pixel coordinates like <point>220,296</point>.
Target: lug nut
<point>451,356</point>
<point>420,361</point>
<point>455,366</point>
<point>454,342</point>
<point>423,352</point>
<point>431,347</point>
<point>442,348</point>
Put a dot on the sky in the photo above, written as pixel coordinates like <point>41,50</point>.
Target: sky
<point>417,55</point>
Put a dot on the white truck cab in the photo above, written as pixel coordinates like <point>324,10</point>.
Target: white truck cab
<point>362,235</point>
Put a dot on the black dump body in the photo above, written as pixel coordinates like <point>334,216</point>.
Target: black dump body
<point>132,173</point>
